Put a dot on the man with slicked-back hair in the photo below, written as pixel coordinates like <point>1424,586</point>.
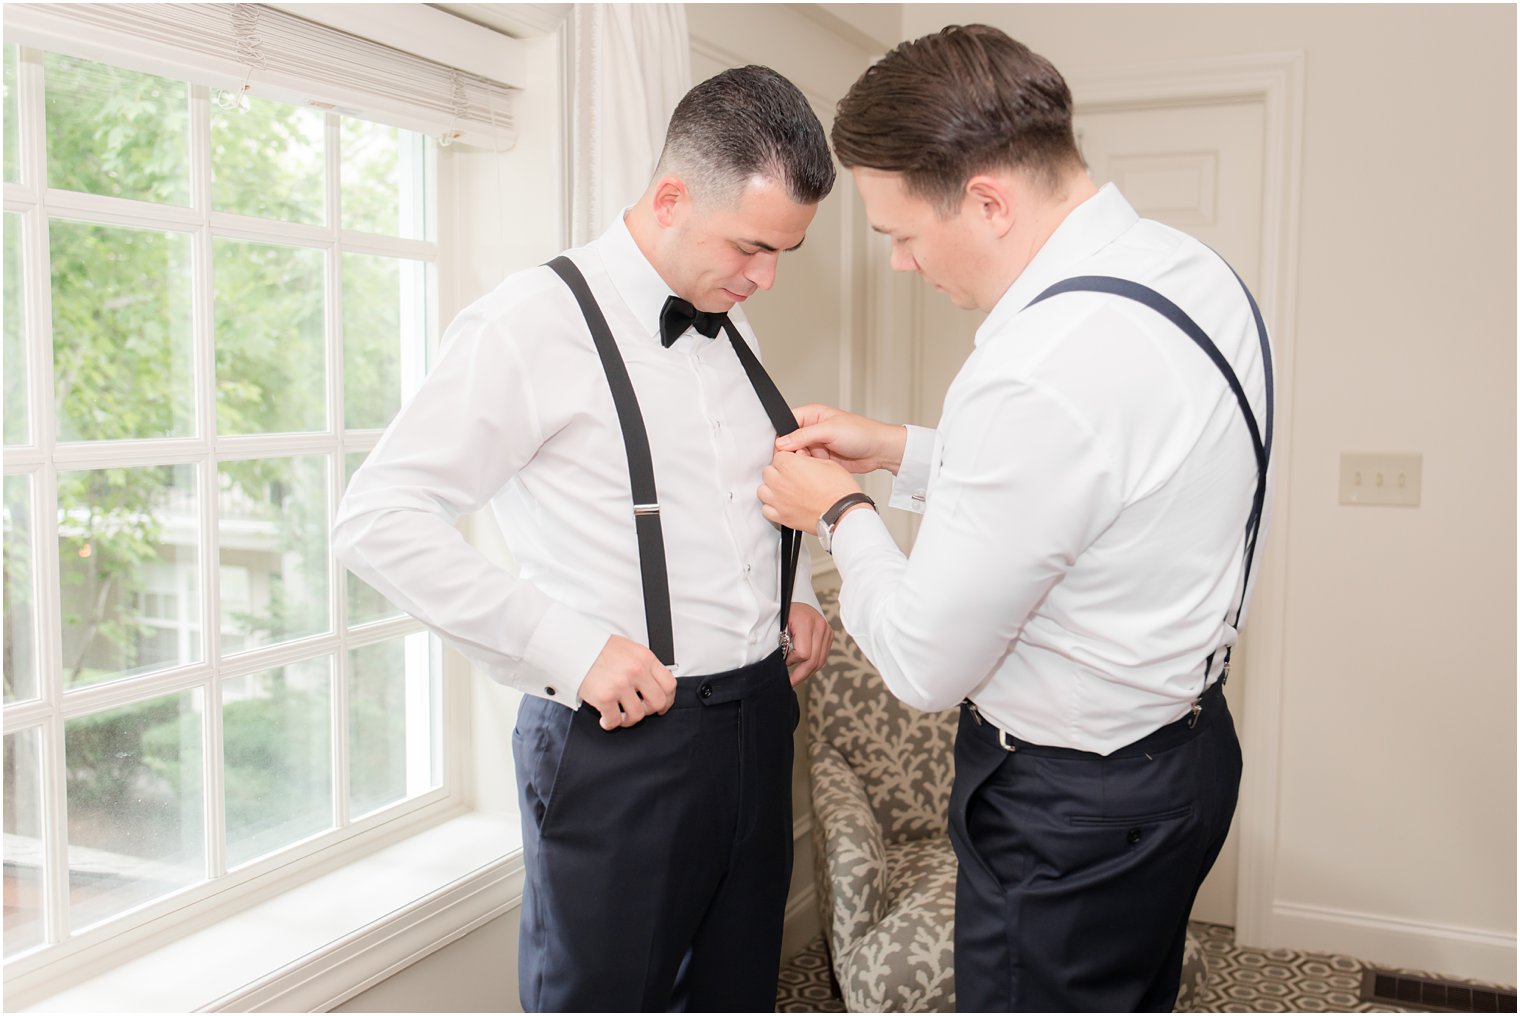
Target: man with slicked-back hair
<point>611,408</point>
<point>1092,501</point>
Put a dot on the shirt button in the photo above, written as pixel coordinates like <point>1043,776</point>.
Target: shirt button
<point>748,569</point>
<point>705,691</point>
<point>730,495</point>
<point>549,690</point>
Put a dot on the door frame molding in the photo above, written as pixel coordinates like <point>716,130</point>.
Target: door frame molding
<point>1276,80</point>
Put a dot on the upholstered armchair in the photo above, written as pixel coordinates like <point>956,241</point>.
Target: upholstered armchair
<point>880,775</point>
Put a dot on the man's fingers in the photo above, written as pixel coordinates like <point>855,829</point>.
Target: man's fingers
<point>806,437</point>
<point>660,694</point>
<point>627,684</point>
<point>812,413</point>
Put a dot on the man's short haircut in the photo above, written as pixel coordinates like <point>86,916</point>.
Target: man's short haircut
<point>745,122</point>
<point>965,100</point>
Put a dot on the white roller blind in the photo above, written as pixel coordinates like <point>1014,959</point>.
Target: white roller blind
<point>282,56</point>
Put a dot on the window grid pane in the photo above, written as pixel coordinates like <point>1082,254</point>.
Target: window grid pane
<point>17,363</point>
<point>12,132</point>
<point>271,343</point>
<point>23,842</point>
<point>122,333</point>
<point>135,805</point>
<point>392,686</point>
<point>268,160</point>
<point>128,557</point>
<point>274,521</point>
<point>385,176</point>
<point>277,757</point>
<point>20,592</point>
<point>117,132</point>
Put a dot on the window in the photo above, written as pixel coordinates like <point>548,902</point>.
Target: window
<point>214,303</point>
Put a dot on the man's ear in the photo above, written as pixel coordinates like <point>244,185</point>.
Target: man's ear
<point>670,197</point>
<point>990,199</point>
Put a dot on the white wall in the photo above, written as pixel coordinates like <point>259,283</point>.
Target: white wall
<point>477,973</point>
<point>1395,809</point>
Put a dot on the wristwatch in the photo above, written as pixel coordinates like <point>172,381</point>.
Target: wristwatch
<point>829,519</point>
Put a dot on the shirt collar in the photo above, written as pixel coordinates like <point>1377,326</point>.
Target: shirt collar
<point>641,287</point>
<point>1087,229</point>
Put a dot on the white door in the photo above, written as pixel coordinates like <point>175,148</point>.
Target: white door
<point>1199,168</point>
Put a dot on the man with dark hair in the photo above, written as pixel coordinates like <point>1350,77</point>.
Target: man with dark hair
<point>611,409</point>
<point>1091,498</point>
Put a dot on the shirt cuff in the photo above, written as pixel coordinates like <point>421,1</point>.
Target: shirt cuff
<point>860,533</point>
<point>910,489</point>
<point>563,647</point>
<point>802,589</point>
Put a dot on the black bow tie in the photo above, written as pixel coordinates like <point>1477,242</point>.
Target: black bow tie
<point>677,315</point>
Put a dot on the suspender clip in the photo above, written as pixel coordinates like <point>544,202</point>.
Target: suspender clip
<point>1193,713</point>
<point>645,509</point>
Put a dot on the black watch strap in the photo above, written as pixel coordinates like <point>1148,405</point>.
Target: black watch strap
<point>831,517</point>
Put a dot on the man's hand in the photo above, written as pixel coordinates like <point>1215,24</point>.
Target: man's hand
<point>858,443</point>
<point>627,683</point>
<point>811,639</point>
<point>797,489</point>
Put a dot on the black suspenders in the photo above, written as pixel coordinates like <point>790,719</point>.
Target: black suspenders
<point>646,502</point>
<point>1261,445</point>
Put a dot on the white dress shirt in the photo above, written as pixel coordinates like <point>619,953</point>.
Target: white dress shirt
<point>1085,500</point>
<point>517,414</point>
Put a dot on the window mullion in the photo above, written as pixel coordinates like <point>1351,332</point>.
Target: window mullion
<point>38,331</point>
<point>388,246</point>
<point>127,454</point>
<point>232,226</point>
<point>337,577</point>
<point>204,316</point>
<point>108,210</point>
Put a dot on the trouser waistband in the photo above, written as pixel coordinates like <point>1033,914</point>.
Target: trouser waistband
<point>731,685</point>
<point>1205,710</point>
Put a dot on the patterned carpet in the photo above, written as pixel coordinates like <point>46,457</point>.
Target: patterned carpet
<point>1240,980</point>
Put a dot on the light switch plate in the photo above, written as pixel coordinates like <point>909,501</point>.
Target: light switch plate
<point>1380,479</point>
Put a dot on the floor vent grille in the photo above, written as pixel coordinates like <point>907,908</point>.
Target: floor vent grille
<point>1432,995</point>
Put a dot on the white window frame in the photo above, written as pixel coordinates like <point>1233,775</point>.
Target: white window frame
<point>478,851</point>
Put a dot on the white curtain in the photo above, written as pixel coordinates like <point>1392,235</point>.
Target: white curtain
<point>632,64</point>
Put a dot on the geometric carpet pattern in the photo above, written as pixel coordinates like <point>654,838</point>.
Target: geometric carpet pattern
<point>1240,979</point>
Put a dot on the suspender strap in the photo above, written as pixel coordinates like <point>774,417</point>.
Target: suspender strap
<point>784,422</point>
<point>646,502</point>
<point>1261,447</point>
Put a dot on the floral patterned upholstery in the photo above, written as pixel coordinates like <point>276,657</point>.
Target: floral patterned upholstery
<point>880,774</point>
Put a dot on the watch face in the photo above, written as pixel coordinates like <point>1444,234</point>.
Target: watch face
<point>823,533</point>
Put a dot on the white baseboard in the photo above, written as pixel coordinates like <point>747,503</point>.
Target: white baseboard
<point>1471,953</point>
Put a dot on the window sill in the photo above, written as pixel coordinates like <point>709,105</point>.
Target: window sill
<point>314,947</point>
